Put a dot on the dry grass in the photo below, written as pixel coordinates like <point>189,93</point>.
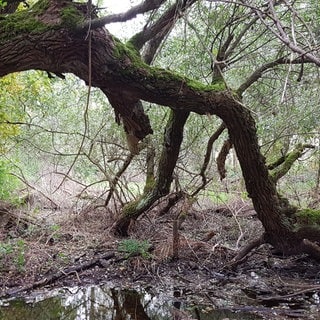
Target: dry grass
<point>62,238</point>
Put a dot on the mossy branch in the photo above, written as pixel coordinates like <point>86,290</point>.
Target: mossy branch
<point>282,165</point>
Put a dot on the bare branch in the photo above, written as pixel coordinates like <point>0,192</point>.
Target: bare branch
<point>115,180</point>
<point>283,36</point>
<point>207,157</point>
<point>257,74</point>
<point>280,32</point>
<point>141,8</point>
<point>163,25</point>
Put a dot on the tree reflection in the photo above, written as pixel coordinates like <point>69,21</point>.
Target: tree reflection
<point>105,303</point>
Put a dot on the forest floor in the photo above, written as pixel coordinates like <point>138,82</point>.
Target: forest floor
<point>53,248</point>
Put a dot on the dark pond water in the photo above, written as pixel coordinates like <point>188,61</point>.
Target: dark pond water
<point>104,303</point>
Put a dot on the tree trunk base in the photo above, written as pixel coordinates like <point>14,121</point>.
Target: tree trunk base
<point>121,227</point>
<point>241,256</point>
<point>290,247</point>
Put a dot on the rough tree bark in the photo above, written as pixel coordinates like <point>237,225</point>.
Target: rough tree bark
<point>52,37</point>
<point>173,136</point>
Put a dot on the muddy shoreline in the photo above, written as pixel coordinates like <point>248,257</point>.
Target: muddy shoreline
<point>264,284</point>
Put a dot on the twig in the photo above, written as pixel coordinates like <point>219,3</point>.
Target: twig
<point>85,114</point>
<point>290,295</point>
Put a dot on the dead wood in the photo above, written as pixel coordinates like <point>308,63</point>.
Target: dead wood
<point>288,297</point>
<point>221,159</point>
<point>242,254</point>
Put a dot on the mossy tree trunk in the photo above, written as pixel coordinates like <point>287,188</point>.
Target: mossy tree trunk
<point>51,37</point>
<point>173,136</point>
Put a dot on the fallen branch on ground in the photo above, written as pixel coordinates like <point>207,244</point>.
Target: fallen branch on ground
<point>59,275</point>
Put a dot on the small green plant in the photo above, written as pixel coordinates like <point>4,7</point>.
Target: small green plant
<point>135,247</point>
<point>2,3</point>
<point>13,252</point>
<point>218,197</point>
<point>8,183</point>
<point>5,248</point>
<point>63,257</point>
<point>308,216</point>
<point>20,259</point>
<point>55,231</point>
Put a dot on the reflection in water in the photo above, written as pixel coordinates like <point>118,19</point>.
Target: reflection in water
<point>104,303</point>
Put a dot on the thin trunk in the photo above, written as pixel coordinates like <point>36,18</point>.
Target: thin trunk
<point>150,163</point>
<point>173,137</point>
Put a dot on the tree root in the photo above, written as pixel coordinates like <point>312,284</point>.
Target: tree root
<point>242,255</point>
<point>287,297</point>
<point>311,248</point>
<point>307,246</point>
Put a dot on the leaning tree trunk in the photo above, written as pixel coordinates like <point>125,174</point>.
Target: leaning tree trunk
<point>173,137</point>
<point>52,38</point>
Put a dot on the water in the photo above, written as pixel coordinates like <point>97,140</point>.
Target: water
<point>104,303</point>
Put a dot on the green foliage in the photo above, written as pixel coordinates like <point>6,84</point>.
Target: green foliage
<point>64,258</point>
<point>8,183</point>
<point>10,87</point>
<point>55,228</point>
<point>5,248</point>
<point>14,251</point>
<point>308,217</point>
<point>135,247</point>
<point>53,109</point>
<point>20,254</point>
<point>2,3</point>
<point>218,197</point>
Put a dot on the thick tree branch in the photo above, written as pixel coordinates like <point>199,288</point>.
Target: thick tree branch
<point>119,71</point>
<point>141,8</point>
<point>163,25</point>
<point>173,137</point>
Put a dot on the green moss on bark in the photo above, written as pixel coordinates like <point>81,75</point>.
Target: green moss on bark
<point>287,162</point>
<point>29,21</point>
<point>71,17</point>
<point>133,62</point>
<point>24,21</point>
<point>135,207</point>
<point>150,183</point>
